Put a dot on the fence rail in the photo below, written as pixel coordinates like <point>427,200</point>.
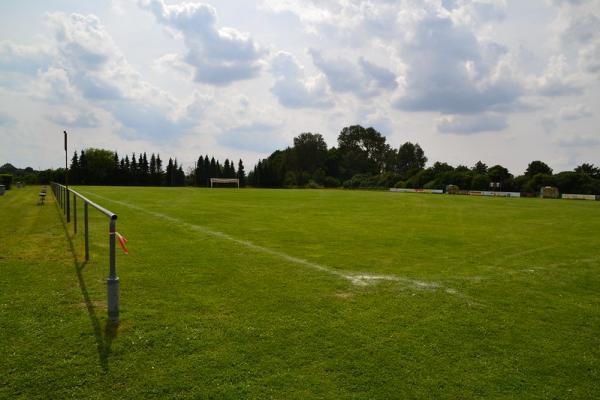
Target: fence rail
<point>62,195</point>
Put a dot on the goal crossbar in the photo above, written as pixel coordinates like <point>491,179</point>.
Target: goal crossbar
<point>224,180</point>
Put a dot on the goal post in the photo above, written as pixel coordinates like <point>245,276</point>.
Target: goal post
<point>224,180</point>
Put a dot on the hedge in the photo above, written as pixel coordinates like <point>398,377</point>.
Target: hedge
<point>6,180</point>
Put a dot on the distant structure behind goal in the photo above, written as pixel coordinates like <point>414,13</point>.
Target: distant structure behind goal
<point>224,180</point>
<point>549,192</point>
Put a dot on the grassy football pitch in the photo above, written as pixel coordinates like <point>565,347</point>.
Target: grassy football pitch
<point>248,293</point>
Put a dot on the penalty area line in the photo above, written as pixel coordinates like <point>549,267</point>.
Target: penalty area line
<point>357,279</point>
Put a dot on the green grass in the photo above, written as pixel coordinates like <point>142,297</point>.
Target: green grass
<point>248,294</point>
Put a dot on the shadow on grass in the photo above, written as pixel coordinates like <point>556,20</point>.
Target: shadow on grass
<point>104,337</point>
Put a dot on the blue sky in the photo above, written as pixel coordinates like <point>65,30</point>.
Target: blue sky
<point>506,82</point>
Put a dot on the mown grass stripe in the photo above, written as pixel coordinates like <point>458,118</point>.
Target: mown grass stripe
<point>358,279</point>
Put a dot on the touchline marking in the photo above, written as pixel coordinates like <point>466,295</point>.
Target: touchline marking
<point>358,279</point>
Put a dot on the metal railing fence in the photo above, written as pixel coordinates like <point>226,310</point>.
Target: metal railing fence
<point>62,195</point>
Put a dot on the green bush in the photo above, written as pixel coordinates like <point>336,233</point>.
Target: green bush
<point>331,182</point>
<point>387,180</point>
<point>357,181</point>
<point>480,182</point>
<point>302,178</point>
<point>290,180</point>
<point>313,185</point>
<point>541,180</point>
<point>6,180</point>
<point>366,181</point>
<point>30,179</point>
<point>318,176</point>
<point>420,179</point>
<point>370,182</point>
<point>432,185</point>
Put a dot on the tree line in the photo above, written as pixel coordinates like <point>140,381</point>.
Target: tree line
<point>363,159</point>
<point>210,168</point>
<point>103,167</point>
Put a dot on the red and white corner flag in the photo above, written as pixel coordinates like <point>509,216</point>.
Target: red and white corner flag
<point>122,242</point>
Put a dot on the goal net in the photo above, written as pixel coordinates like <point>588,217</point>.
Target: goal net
<point>229,182</point>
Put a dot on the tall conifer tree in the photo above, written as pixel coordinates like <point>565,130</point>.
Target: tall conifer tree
<point>169,173</point>
<point>198,172</point>
<point>241,174</point>
<point>83,171</point>
<point>115,178</point>
<point>152,166</point>
<point>74,169</point>
<point>206,172</point>
<point>159,170</point>
<point>226,168</point>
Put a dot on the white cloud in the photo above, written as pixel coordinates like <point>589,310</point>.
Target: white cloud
<point>118,6</point>
<point>470,124</point>
<point>478,11</point>
<point>75,118</point>
<point>353,23</point>
<point>54,87</point>
<point>569,2</point>
<point>582,29</point>
<point>142,118</point>
<point>6,120</point>
<point>235,124</point>
<point>446,66</point>
<point>173,62</point>
<point>579,35</point>
<point>310,12</point>
<point>362,79</point>
<point>575,112</point>
<point>23,59</point>
<point>91,59</point>
<point>548,123</point>
<point>580,141</point>
<point>19,64</point>
<point>378,77</point>
<point>257,137</point>
<point>198,106</point>
<point>558,80</point>
<point>377,117</point>
<point>219,56</point>
<point>589,58</point>
<point>285,64</point>
<point>293,89</point>
<point>342,75</point>
<point>451,71</point>
<point>89,66</point>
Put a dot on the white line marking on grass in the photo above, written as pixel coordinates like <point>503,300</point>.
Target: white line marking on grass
<point>358,279</point>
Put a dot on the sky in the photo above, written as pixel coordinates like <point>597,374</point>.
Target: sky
<point>505,82</point>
